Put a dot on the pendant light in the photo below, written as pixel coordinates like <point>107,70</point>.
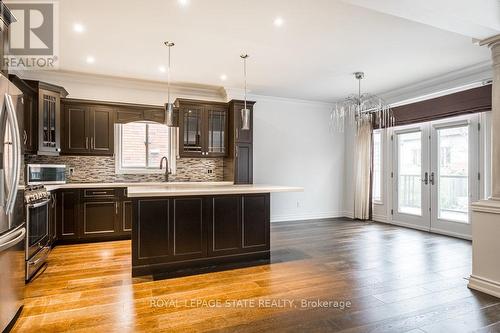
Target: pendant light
<point>169,108</point>
<point>245,112</point>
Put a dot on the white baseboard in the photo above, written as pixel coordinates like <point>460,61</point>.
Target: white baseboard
<point>484,285</point>
<point>311,216</point>
<point>348,214</point>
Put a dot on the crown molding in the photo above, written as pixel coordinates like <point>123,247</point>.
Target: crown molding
<point>178,89</point>
<point>490,41</point>
<point>239,93</point>
<point>461,79</point>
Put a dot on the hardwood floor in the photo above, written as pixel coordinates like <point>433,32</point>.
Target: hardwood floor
<point>375,278</point>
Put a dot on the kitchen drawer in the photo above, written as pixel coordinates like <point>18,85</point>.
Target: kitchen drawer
<point>93,193</point>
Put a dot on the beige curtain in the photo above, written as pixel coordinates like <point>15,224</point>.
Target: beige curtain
<point>363,166</point>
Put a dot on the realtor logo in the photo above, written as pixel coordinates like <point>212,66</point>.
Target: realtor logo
<point>33,37</point>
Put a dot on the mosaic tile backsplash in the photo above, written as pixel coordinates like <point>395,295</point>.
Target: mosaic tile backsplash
<point>97,169</point>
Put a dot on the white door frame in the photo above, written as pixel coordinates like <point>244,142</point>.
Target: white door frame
<point>478,164</point>
<point>422,221</point>
<point>449,227</point>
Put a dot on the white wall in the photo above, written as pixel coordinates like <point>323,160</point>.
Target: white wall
<point>294,146</point>
<point>292,142</point>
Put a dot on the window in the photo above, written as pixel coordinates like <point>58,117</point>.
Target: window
<point>377,167</point>
<point>140,147</point>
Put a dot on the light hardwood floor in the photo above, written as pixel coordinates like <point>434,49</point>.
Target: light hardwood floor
<point>396,279</point>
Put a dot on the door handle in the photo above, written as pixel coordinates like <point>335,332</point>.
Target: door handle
<point>431,179</point>
<point>16,151</point>
<point>426,178</point>
<point>10,242</point>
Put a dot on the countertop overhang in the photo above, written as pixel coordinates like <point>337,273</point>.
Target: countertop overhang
<point>175,190</point>
<point>129,184</point>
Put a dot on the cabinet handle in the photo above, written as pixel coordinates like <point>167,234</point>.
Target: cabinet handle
<point>116,207</point>
<point>236,152</point>
<point>86,142</point>
<point>25,137</point>
<point>92,143</point>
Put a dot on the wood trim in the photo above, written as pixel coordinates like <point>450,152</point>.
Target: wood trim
<point>464,102</point>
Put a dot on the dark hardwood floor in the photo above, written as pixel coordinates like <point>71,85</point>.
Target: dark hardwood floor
<point>373,278</point>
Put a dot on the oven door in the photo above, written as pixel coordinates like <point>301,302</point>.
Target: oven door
<point>37,227</point>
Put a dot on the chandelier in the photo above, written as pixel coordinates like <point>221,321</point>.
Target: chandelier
<point>358,109</point>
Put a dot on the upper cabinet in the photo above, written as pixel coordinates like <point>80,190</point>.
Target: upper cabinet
<point>203,128</point>
<point>88,129</point>
<point>42,112</point>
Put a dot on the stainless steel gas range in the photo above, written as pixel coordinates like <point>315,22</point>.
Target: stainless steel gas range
<point>37,200</point>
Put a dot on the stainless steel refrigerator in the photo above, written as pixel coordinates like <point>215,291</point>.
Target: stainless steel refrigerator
<point>12,225</point>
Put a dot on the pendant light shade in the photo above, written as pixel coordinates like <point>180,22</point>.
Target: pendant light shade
<point>245,112</point>
<point>169,108</point>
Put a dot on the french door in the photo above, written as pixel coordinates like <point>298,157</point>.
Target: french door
<point>435,175</point>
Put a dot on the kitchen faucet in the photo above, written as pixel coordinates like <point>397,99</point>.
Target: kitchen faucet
<point>167,172</point>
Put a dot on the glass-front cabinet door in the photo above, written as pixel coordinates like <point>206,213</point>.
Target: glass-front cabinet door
<point>217,131</point>
<point>49,133</point>
<point>191,123</point>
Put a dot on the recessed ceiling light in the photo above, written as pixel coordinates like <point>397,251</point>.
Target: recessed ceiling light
<point>183,2</point>
<point>162,69</point>
<point>90,60</point>
<point>278,21</point>
<point>78,27</point>
<point>223,77</point>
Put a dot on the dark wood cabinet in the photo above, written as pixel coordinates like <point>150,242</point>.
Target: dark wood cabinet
<point>99,218</point>
<point>243,163</point>
<point>191,232</point>
<point>126,216</point>
<point>88,129</point>
<point>225,226</point>
<point>76,129</point>
<point>238,165</point>
<point>203,128</point>
<point>42,123</point>
<point>67,214</point>
<point>188,229</point>
<point>101,130</point>
<point>92,214</point>
<point>52,218</point>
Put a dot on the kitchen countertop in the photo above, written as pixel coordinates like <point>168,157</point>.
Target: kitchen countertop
<point>130,184</point>
<point>187,189</point>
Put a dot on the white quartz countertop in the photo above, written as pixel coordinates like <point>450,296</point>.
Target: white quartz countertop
<point>173,190</point>
<point>131,185</point>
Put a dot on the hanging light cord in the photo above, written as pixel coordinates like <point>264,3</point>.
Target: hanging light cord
<point>245,74</point>
<point>168,75</point>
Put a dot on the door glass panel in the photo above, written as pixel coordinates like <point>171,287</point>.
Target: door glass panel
<point>192,130</point>
<point>216,131</point>
<point>453,179</point>
<point>409,173</point>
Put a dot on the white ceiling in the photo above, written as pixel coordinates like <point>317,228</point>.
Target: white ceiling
<point>312,56</point>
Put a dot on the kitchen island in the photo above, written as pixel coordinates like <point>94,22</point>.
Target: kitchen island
<point>187,227</point>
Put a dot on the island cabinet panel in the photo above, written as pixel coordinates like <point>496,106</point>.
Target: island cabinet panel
<point>182,233</point>
<point>225,226</point>
<point>151,231</point>
<point>189,234</point>
<point>256,218</point>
